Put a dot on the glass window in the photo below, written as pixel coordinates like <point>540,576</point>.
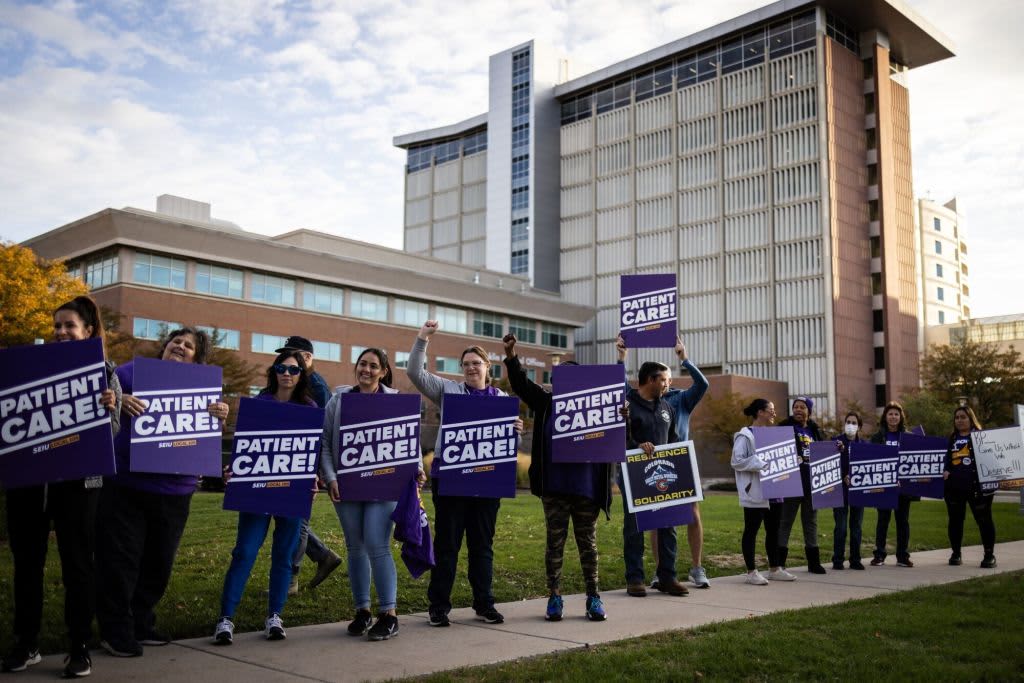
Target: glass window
<point>732,55</point>
<point>753,48</point>
<point>447,365</point>
<point>663,78</point>
<point>266,343</point>
<point>605,99</point>
<point>144,328</point>
<point>707,64</point>
<point>780,38</point>
<point>368,306</point>
<point>520,261</point>
<point>623,90</point>
<point>644,86</point>
<point>938,247</point>
<point>495,371</point>
<point>411,313</point>
<point>938,270</point>
<point>322,298</point>
<point>326,351</point>
<point>353,356</point>
<point>554,335</point>
<point>525,330</point>
<point>211,279</point>
<point>940,293</point>
<point>401,359</point>
<point>942,317</point>
<point>101,271</point>
<point>937,224</point>
<point>452,319</point>
<point>222,339</point>
<point>546,379</point>
<point>488,325</point>
<point>686,71</point>
<point>273,290</point>
<point>161,271</point>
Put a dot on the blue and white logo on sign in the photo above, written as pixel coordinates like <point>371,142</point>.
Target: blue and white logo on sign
<point>660,474</point>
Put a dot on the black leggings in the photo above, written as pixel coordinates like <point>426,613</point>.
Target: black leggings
<point>752,519</point>
<point>981,508</point>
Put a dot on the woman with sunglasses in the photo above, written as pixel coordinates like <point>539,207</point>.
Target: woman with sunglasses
<point>287,382</point>
<point>455,516</point>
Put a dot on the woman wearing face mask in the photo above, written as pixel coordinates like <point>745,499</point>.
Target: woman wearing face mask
<point>287,382</point>
<point>962,489</point>
<point>140,521</point>
<point>894,423</point>
<point>367,525</point>
<point>855,515</point>
<point>457,515</point>
<point>70,506</point>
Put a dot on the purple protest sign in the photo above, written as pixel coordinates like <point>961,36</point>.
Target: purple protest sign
<point>585,419</point>
<point>378,445</point>
<point>776,447</point>
<point>52,424</point>
<point>664,517</point>
<point>176,434</point>
<point>920,465</point>
<point>274,458</point>
<point>874,481</point>
<point>647,310</point>
<point>826,476</point>
<point>479,446</point>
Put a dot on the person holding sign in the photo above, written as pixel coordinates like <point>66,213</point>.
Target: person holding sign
<point>367,525</point>
<point>71,508</point>
<point>757,510</point>
<point>455,516</point>
<point>140,521</point>
<point>806,431</point>
<point>287,382</point>
<point>894,423</point>
<point>854,515</point>
<point>568,491</point>
<point>962,489</point>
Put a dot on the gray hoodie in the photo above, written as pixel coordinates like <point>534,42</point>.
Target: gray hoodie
<point>748,469</point>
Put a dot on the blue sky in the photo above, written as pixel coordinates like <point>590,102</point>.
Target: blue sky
<point>281,114</point>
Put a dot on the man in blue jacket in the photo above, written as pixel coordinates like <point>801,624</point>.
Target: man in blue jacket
<point>682,403</point>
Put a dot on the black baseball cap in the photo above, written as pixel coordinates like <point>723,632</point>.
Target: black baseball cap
<point>296,344</point>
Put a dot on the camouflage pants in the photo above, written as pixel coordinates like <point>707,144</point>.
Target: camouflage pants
<point>583,512</point>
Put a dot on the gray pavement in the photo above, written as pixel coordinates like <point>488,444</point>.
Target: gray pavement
<point>325,653</point>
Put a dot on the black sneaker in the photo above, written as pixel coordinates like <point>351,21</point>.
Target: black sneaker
<point>989,561</point>
<point>438,618</point>
<point>955,560</point>
<point>77,664</point>
<point>20,658</point>
<point>360,623</point>
<point>490,615</point>
<point>119,647</point>
<point>856,564</point>
<point>385,628</point>
<point>150,637</point>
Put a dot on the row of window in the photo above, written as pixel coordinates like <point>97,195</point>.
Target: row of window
<point>422,156</point>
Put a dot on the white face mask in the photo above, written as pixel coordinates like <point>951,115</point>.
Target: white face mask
<point>851,430</point>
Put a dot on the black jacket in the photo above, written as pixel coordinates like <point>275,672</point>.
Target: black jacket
<point>649,421</point>
<point>805,464</point>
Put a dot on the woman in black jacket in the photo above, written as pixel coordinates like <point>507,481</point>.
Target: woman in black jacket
<point>805,431</point>
<point>894,423</point>
<point>960,470</point>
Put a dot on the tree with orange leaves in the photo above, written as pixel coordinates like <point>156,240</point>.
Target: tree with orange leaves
<point>30,289</point>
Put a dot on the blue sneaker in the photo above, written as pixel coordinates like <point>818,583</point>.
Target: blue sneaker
<point>595,608</point>
<point>554,612</point>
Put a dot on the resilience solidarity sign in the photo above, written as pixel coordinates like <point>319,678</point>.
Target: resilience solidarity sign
<point>274,458</point>
<point>479,446</point>
<point>586,422</point>
<point>648,315</point>
<point>378,445</point>
<point>660,487</point>
<point>826,475</point>
<point>780,476</point>
<point>920,465</point>
<point>874,475</point>
<point>176,434</point>
<point>52,424</point>
<point>1000,455</point>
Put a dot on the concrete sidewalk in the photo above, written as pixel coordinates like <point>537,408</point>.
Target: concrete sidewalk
<point>325,652</point>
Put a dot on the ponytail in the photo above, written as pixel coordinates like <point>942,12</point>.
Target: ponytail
<point>86,309</point>
<point>756,406</point>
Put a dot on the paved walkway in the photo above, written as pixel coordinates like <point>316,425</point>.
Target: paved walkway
<point>325,653</point>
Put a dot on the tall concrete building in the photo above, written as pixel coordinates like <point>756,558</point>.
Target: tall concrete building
<point>943,247</point>
<point>766,161</point>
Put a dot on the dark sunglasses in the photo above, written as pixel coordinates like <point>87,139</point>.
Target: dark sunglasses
<point>290,369</point>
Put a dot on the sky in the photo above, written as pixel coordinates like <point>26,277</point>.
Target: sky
<point>281,114</point>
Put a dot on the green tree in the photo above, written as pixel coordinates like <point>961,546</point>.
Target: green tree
<point>30,289</point>
<point>934,413</point>
<point>721,416</point>
<point>990,380</point>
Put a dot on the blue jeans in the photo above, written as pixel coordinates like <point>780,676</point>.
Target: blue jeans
<point>902,530</point>
<point>633,548</point>
<point>252,531</point>
<point>367,527</point>
<point>309,545</point>
<point>855,515</point>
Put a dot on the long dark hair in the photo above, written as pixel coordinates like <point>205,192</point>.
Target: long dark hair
<point>385,364</point>
<point>86,309</point>
<point>301,391</point>
<point>975,425</point>
<point>202,343</point>
<point>756,406</point>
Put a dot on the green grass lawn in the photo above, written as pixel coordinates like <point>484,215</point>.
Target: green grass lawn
<point>964,631</point>
<point>191,604</point>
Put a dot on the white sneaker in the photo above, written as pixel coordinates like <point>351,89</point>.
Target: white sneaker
<point>780,574</point>
<point>224,633</point>
<point>754,578</point>
<point>699,577</point>
<point>275,628</point>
